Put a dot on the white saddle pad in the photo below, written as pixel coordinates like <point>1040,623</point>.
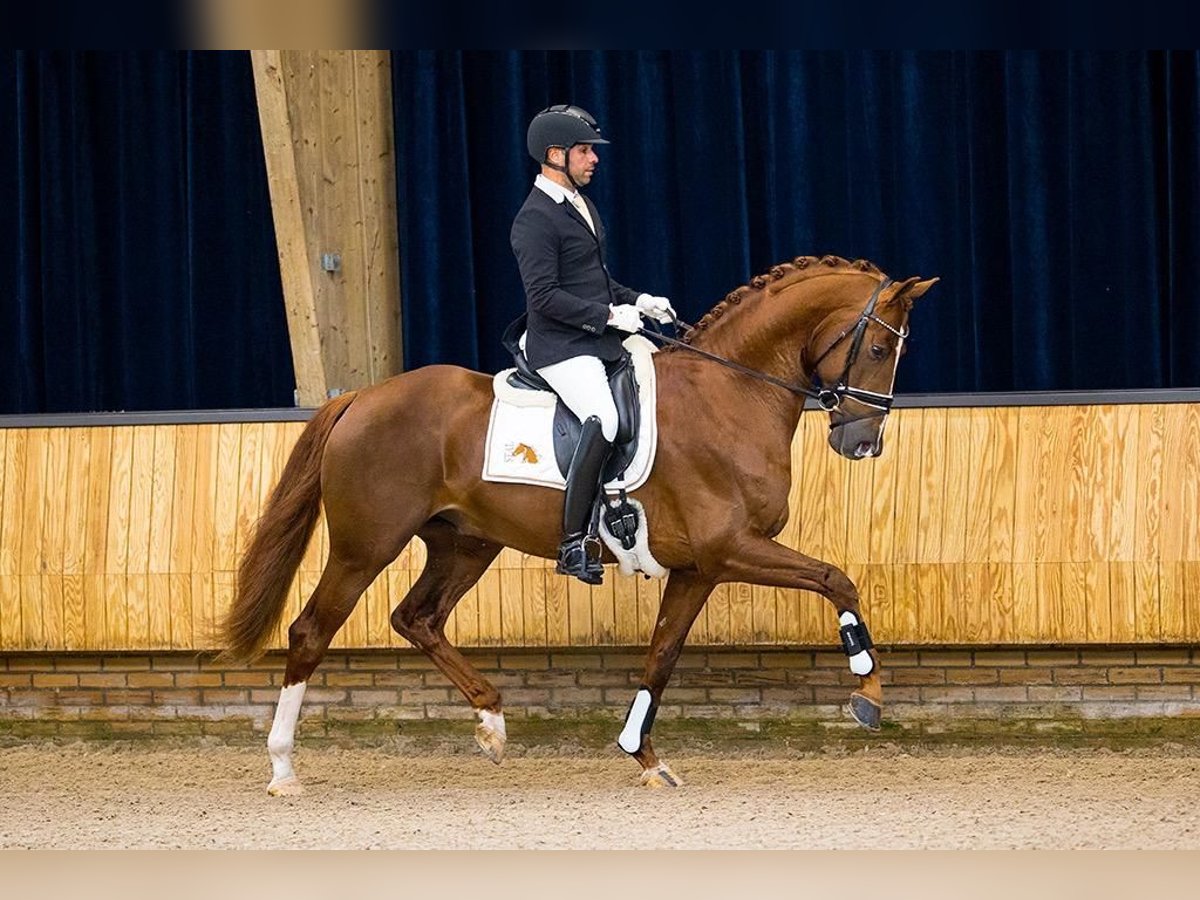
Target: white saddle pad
<point>519,448</point>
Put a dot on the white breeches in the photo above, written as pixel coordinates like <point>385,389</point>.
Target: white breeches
<point>583,385</point>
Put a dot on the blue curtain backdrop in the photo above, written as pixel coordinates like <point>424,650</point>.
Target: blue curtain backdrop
<point>1056,195</point>
<point>141,269</point>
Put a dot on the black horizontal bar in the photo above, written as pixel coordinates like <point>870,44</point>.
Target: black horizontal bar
<point>903,401</point>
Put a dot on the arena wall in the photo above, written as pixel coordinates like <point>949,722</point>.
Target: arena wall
<point>978,526</point>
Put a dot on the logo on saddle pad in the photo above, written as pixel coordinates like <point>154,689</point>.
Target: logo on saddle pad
<point>521,453</point>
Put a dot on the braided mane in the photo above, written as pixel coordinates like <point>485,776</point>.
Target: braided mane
<point>778,276</point>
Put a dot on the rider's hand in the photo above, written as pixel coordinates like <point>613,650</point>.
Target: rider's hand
<point>655,307</point>
<point>625,317</point>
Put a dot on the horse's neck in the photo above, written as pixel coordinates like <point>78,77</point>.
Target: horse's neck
<point>773,332</point>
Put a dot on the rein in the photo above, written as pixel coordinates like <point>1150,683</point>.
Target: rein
<point>827,399</point>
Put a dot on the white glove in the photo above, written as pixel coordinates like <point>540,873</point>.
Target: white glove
<point>625,317</point>
<point>655,307</point>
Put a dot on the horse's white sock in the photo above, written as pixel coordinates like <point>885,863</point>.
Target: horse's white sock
<point>494,721</point>
<point>283,730</point>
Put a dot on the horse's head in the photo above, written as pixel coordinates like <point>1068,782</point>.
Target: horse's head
<point>854,357</point>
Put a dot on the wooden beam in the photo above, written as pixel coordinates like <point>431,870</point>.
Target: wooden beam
<point>290,233</point>
<point>332,111</point>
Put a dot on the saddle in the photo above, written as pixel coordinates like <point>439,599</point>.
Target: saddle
<point>622,381</point>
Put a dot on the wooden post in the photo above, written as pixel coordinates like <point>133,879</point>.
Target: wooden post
<point>327,135</point>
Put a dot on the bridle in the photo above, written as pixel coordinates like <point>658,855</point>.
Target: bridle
<point>828,398</point>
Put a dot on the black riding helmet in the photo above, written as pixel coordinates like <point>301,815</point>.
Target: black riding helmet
<point>561,126</point>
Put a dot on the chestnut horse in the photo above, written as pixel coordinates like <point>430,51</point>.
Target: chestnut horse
<point>404,458</point>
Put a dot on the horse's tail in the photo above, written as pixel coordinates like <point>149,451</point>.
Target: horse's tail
<point>280,539</point>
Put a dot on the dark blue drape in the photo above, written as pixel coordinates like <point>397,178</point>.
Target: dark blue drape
<point>141,267</point>
<point>1056,195</point>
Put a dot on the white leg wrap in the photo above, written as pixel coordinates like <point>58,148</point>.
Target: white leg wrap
<point>283,730</point>
<point>494,721</point>
<point>631,735</point>
<point>861,662</point>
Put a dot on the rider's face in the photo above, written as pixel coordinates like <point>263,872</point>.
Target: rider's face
<point>581,163</point>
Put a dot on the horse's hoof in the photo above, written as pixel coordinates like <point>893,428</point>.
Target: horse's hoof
<point>285,787</point>
<point>490,742</point>
<point>866,711</point>
<point>660,776</point>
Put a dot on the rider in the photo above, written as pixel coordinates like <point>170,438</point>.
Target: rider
<point>576,310</point>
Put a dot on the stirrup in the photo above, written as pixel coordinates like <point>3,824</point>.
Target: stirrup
<point>575,558</point>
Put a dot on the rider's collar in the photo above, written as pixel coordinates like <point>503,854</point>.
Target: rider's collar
<point>555,192</point>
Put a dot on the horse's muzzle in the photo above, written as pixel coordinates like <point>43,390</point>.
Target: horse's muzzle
<point>858,438</point>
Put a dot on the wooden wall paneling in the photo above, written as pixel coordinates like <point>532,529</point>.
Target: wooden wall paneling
<point>579,611</point>
<point>1082,521</point>
<point>95,547</point>
<point>138,536</point>
<point>512,608</point>
<point>1057,429</point>
<point>932,524</point>
<point>491,629</point>
<point>12,443</point>
<point>204,534</point>
<point>1181,485</point>
<point>958,582</point>
<point>860,508</point>
<point>75,515</point>
<point>225,514</point>
<point>1173,602</point>
<point>1120,491</point>
<point>116,631</point>
<point>1147,597</point>
<point>33,549</point>
<point>1152,423</point>
<point>1189,484</point>
<point>162,510</point>
<point>741,613</point>
<point>999,603</point>
<point>376,609</point>
<point>882,531</point>
<point>54,527</point>
<point>604,618</point>
<point>1190,575</point>
<point>1122,601</point>
<point>249,487</point>
<point>907,524</point>
<point>1049,603</point>
<point>182,528</point>
<point>533,603</point>
<point>1028,509</point>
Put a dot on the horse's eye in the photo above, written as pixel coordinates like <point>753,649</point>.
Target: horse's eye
<point>877,352</point>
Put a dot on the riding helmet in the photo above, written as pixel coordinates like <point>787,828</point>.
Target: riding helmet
<point>561,126</point>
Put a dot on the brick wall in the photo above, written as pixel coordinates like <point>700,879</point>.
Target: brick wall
<point>927,692</point>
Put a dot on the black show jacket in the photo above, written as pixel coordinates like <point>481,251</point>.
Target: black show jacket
<point>567,286</point>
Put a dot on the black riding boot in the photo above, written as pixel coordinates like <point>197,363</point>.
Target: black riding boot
<point>583,480</point>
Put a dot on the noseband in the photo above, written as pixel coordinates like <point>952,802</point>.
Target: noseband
<point>828,398</point>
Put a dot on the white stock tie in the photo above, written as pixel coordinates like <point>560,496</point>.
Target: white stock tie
<point>577,202</point>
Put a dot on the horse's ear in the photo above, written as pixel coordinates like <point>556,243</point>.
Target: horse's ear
<point>920,288</point>
<point>910,289</point>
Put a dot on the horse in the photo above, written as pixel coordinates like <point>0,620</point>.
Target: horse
<point>404,458</point>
